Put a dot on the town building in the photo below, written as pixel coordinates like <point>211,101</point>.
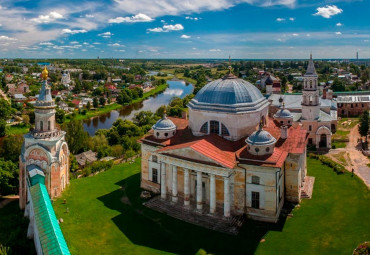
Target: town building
<point>43,175</point>
<point>317,115</point>
<point>352,105</point>
<point>228,159</point>
<point>66,78</point>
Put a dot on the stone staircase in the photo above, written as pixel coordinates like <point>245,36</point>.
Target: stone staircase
<point>307,189</point>
<point>201,218</point>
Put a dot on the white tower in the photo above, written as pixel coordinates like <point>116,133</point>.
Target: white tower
<point>310,93</point>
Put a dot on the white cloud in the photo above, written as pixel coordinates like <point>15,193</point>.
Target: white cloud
<point>339,24</point>
<point>52,16</point>
<point>133,19</point>
<point>178,7</point>
<point>116,45</point>
<point>215,50</point>
<point>192,18</point>
<point>338,33</point>
<point>295,34</point>
<point>106,34</point>
<point>328,11</point>
<point>280,19</point>
<point>167,28</point>
<point>72,32</point>
<point>74,42</point>
<point>46,43</point>
<point>89,16</point>
<point>193,48</point>
<point>186,36</point>
<point>96,43</point>
<point>7,38</point>
<point>292,19</point>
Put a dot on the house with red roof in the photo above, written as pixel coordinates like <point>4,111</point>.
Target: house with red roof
<point>77,103</point>
<point>227,159</point>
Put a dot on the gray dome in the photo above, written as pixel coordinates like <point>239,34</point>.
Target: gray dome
<point>283,113</point>
<point>260,137</point>
<point>228,91</point>
<point>164,124</point>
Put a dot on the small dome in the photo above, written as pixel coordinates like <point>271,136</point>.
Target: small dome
<point>164,124</point>
<point>283,113</point>
<point>260,137</point>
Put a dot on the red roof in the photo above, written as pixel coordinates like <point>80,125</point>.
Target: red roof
<point>226,153</point>
<point>76,102</point>
<point>110,86</point>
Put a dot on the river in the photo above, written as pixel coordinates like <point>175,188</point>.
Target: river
<point>105,121</point>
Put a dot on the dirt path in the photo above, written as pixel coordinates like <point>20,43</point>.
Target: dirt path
<point>7,200</point>
<point>357,159</point>
<point>4,96</point>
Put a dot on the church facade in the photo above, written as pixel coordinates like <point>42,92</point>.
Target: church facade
<point>230,158</point>
<point>317,115</point>
<point>45,150</point>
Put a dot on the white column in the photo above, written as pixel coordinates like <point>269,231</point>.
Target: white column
<point>212,202</point>
<point>186,187</point>
<point>163,180</point>
<point>226,197</point>
<point>199,191</point>
<point>174,184</point>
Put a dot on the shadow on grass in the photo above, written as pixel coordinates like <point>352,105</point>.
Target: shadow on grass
<point>149,228</point>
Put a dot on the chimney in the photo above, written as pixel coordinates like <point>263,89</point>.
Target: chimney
<point>329,95</point>
<point>324,93</point>
<point>284,132</point>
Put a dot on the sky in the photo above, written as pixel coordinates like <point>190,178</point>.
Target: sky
<point>248,29</point>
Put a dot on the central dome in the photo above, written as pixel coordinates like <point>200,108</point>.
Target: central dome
<point>229,91</point>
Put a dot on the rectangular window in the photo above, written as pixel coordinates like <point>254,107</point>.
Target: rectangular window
<point>255,200</point>
<point>214,127</point>
<point>154,158</point>
<point>255,180</point>
<point>310,141</point>
<point>49,125</point>
<point>309,128</point>
<point>41,126</point>
<point>154,175</point>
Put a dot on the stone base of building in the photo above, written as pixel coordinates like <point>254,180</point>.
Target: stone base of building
<point>203,218</point>
<point>307,189</point>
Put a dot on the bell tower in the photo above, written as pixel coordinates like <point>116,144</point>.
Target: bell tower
<point>310,93</point>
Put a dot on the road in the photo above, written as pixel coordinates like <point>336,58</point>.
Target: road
<point>358,160</point>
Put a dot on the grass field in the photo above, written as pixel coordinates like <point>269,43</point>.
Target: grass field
<point>17,130</point>
<point>13,230</point>
<point>106,216</point>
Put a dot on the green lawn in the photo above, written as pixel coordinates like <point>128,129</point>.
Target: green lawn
<point>17,130</point>
<point>13,230</point>
<point>106,216</point>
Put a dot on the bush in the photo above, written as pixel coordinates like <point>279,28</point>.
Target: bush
<point>97,166</point>
<point>339,169</point>
<point>362,249</point>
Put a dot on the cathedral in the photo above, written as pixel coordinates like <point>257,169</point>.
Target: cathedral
<point>317,115</point>
<point>229,158</point>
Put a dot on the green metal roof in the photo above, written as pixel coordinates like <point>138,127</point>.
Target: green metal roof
<point>50,235</point>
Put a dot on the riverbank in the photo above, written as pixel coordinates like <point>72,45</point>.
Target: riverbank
<point>115,106</point>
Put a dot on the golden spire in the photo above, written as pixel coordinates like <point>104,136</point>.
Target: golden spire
<point>45,74</point>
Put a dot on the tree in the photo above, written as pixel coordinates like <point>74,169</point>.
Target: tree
<point>60,116</point>
<point>143,118</point>
<point>2,128</point>
<point>102,101</point>
<point>8,177</point>
<point>5,109</point>
<point>11,148</point>
<point>95,102</point>
<point>338,85</point>
<point>76,136</point>
<point>88,106</point>
<point>363,127</point>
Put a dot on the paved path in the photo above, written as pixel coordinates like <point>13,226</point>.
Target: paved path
<point>7,200</point>
<point>357,159</point>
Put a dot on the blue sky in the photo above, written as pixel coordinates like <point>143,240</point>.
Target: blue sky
<point>184,28</point>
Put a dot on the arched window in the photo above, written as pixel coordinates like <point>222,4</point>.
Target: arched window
<point>255,179</point>
<point>157,134</point>
<point>311,84</point>
<point>267,149</point>
<point>204,128</point>
<point>214,127</point>
<point>224,130</point>
<point>165,134</point>
<point>257,149</point>
<point>41,125</point>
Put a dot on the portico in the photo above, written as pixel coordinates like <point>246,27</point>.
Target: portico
<point>199,187</point>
